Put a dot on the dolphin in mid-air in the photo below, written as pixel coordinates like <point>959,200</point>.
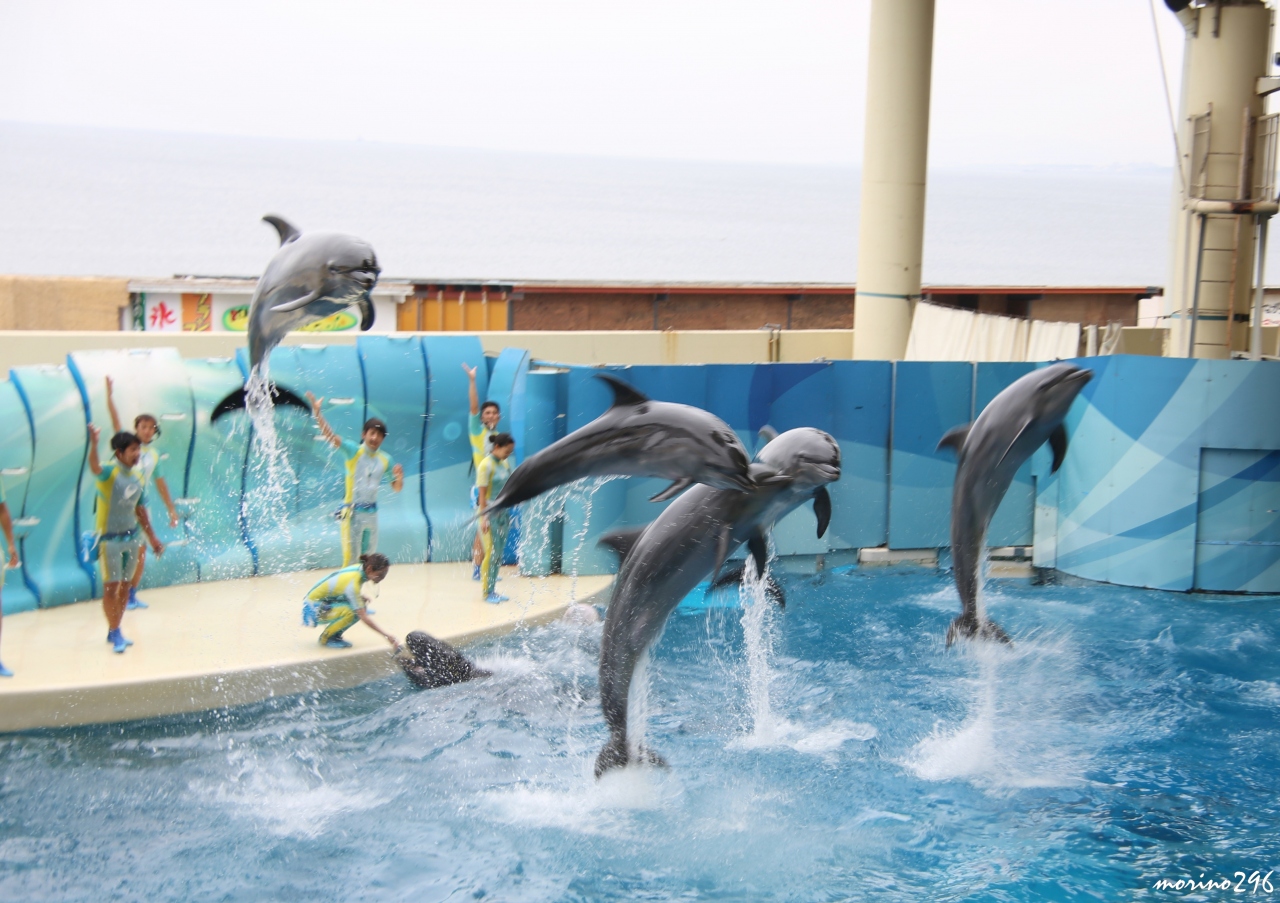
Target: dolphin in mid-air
<point>1019,420</point>
<point>688,542</point>
<point>636,437</point>
<point>311,276</point>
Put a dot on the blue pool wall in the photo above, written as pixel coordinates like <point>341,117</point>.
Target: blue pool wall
<point>1172,480</point>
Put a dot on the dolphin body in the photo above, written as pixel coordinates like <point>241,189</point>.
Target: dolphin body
<point>311,276</point>
<point>636,437</point>
<point>689,541</point>
<point>1019,420</point>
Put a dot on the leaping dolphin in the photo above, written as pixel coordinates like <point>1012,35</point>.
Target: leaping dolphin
<point>1019,420</point>
<point>690,541</point>
<point>311,276</point>
<point>636,437</point>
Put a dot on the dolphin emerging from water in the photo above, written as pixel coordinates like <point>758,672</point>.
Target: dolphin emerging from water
<point>311,276</point>
<point>688,542</point>
<point>1019,420</point>
<point>636,437</point>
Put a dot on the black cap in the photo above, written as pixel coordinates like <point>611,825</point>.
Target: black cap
<point>375,423</point>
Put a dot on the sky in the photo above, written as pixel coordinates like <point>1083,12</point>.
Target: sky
<point>1024,82</point>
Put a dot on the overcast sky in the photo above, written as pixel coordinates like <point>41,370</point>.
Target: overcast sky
<point>1015,81</point>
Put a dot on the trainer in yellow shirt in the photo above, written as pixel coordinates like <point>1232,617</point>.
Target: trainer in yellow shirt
<point>483,421</point>
<point>366,468</point>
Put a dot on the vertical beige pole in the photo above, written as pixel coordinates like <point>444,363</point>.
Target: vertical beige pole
<point>1227,50</point>
<point>891,224</point>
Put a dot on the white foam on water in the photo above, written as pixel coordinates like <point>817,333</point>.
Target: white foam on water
<point>1022,728</point>
<point>289,797</point>
<point>587,805</point>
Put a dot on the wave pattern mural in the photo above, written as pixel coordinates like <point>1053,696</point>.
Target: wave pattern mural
<point>1172,479</point>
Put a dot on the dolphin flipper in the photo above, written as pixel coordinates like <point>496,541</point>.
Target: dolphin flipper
<point>822,509</point>
<point>285,229</point>
<point>954,438</point>
<point>366,313</point>
<point>623,392</point>
<point>672,491</point>
<point>236,402</point>
<point>1058,442</point>
<point>297,303</point>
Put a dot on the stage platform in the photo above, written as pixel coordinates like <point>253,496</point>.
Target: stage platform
<point>210,645</point>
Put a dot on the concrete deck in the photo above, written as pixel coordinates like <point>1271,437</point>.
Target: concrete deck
<point>210,645</point>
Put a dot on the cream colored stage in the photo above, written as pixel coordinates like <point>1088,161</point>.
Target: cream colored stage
<point>209,645</point>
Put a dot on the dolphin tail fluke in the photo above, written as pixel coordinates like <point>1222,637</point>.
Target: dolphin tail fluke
<point>735,575</point>
<point>971,627</point>
<point>236,402</point>
<point>614,755</point>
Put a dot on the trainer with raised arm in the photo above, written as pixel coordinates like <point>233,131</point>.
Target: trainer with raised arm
<point>147,429</point>
<point>483,421</point>
<point>366,468</point>
<point>121,512</point>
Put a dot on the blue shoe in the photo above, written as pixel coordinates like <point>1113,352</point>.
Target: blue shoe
<point>309,615</point>
<point>338,643</point>
<point>134,602</point>
<point>475,572</point>
<point>5,672</point>
<point>494,598</point>
<point>118,643</point>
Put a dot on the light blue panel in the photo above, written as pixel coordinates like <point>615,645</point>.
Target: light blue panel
<point>860,423</point>
<point>15,471</point>
<point>1238,529</point>
<point>395,380</point>
<point>928,400</point>
<point>214,482</point>
<point>589,514</point>
<point>146,381</point>
<point>507,387</point>
<point>449,475</point>
<point>60,440</point>
<point>1011,525</point>
<point>1130,488</point>
<point>290,523</point>
<point>541,538</point>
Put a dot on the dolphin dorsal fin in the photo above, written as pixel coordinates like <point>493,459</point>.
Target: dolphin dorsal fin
<point>621,541</point>
<point>623,392</point>
<point>954,438</point>
<point>288,232</point>
<point>1058,442</point>
<point>766,435</point>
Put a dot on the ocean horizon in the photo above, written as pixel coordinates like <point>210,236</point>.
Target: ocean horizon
<point>86,201</point>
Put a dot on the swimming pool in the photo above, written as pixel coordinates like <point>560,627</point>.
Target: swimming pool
<point>1129,736</point>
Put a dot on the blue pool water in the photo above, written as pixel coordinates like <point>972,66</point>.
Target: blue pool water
<point>1127,737</point>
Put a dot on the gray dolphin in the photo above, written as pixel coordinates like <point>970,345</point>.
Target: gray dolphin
<point>434,663</point>
<point>311,276</point>
<point>636,437</point>
<point>1019,420</point>
<point>688,542</point>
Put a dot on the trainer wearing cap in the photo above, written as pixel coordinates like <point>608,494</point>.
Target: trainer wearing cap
<point>366,467</point>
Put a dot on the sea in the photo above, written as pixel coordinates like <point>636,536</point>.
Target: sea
<point>91,201</point>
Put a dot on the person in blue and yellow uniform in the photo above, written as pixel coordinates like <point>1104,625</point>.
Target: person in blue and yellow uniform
<point>6,522</point>
<point>491,476</point>
<point>366,467</point>
<point>121,512</point>
<point>483,421</point>
<point>337,601</point>
<point>147,429</point>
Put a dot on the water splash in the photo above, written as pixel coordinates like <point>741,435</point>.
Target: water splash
<point>266,504</point>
